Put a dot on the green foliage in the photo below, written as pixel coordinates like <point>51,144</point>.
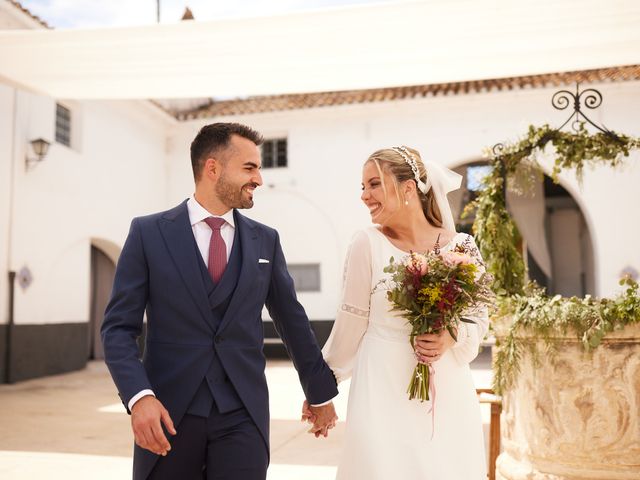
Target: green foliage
<point>573,150</point>
<point>546,318</point>
<point>498,237</point>
<point>494,229</point>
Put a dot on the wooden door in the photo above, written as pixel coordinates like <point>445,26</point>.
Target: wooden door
<point>102,272</point>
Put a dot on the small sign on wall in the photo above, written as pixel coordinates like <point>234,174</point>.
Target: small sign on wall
<point>24,277</point>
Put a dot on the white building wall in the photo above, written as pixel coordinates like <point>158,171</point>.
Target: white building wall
<point>115,170</point>
<point>315,204</point>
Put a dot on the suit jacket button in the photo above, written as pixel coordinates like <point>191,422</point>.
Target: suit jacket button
<point>218,339</point>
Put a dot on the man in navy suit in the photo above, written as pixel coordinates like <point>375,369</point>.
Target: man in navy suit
<point>202,271</point>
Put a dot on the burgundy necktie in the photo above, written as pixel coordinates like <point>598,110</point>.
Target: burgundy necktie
<point>217,249</point>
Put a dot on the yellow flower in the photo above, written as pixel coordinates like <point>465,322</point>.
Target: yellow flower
<point>431,294</point>
<point>468,272</point>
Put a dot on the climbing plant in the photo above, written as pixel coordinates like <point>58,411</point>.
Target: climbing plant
<point>527,305</point>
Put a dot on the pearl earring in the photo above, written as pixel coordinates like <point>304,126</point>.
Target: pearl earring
<point>406,202</point>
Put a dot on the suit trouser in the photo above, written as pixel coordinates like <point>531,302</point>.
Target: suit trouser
<point>225,446</point>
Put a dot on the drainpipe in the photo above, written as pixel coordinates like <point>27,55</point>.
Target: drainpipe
<point>9,337</point>
<point>12,274</point>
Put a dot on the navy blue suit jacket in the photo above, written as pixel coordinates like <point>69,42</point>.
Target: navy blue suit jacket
<point>159,272</point>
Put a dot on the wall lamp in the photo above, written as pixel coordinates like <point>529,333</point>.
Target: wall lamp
<point>40,147</point>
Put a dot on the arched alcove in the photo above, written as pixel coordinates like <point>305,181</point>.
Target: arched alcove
<point>104,256</point>
<point>556,236</point>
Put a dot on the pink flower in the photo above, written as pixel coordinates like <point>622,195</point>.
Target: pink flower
<point>416,263</point>
<point>456,258</point>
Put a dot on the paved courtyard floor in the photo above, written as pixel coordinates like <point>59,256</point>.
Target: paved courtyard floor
<point>73,427</point>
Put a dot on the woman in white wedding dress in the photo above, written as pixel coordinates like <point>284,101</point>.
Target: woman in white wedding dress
<point>388,436</point>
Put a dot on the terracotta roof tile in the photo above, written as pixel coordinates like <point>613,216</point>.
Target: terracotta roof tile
<point>35,17</point>
<point>274,103</point>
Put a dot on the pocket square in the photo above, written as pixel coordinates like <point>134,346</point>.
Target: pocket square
<point>263,260</point>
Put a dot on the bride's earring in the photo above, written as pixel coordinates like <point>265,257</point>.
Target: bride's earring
<point>406,202</point>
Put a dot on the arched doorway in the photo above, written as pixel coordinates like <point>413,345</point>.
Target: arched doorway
<point>102,272</point>
<point>570,245</point>
<point>555,235</point>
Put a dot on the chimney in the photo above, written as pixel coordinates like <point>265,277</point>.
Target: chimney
<point>188,14</point>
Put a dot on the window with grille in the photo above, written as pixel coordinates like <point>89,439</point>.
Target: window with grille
<point>63,125</point>
<point>306,276</point>
<point>274,153</point>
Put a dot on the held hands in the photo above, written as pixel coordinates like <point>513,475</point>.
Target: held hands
<point>146,415</point>
<point>324,418</point>
<point>430,347</point>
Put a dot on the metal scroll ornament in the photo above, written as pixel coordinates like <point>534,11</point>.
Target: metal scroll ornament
<point>591,98</point>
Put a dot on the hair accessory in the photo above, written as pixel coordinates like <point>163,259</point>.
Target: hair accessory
<point>440,180</point>
<point>411,161</point>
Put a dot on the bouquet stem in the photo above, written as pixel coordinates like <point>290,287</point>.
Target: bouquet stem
<point>419,385</point>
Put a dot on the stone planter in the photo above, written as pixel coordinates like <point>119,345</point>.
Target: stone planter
<point>575,415</point>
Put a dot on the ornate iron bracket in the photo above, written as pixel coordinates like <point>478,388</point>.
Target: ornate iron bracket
<point>592,100</point>
<point>561,100</point>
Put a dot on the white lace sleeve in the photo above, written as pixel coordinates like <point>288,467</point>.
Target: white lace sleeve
<point>352,317</point>
<point>470,335</point>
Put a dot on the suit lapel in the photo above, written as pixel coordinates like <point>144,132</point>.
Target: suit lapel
<point>250,244</point>
<point>175,228</point>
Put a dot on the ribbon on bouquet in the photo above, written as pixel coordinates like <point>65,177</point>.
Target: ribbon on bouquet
<point>432,396</point>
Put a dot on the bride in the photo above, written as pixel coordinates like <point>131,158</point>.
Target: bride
<point>389,436</point>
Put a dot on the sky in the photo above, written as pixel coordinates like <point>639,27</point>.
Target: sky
<point>118,13</point>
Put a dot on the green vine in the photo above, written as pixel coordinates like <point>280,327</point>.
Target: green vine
<point>573,150</point>
<point>547,317</point>
<point>498,237</point>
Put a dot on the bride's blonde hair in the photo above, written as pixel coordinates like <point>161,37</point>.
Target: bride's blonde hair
<point>390,161</point>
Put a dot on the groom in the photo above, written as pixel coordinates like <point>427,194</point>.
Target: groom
<point>202,272</point>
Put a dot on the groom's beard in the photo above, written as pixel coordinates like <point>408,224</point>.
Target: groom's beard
<point>231,195</point>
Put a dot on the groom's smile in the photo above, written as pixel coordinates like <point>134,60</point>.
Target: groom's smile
<point>240,173</point>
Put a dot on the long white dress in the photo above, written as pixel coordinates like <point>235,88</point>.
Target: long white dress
<point>388,436</point>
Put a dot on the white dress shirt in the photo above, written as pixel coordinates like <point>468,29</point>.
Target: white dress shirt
<point>202,233</point>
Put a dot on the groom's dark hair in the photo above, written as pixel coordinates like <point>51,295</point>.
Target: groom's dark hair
<point>212,138</point>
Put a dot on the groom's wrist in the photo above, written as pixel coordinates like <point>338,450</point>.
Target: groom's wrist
<point>138,396</point>
<point>322,404</point>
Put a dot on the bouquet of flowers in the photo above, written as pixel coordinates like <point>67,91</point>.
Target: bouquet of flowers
<point>433,291</point>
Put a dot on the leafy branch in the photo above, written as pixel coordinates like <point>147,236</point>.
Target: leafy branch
<point>498,237</point>
<point>546,318</point>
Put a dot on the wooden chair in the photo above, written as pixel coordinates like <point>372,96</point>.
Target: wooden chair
<point>487,396</point>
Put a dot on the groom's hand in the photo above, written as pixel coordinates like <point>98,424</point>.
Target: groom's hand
<point>146,415</point>
<point>323,418</point>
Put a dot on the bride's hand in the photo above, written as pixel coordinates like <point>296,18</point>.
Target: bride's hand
<point>430,347</point>
<point>307,415</point>
<point>322,417</point>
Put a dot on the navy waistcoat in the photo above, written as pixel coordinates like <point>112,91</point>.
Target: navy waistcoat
<point>216,386</point>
